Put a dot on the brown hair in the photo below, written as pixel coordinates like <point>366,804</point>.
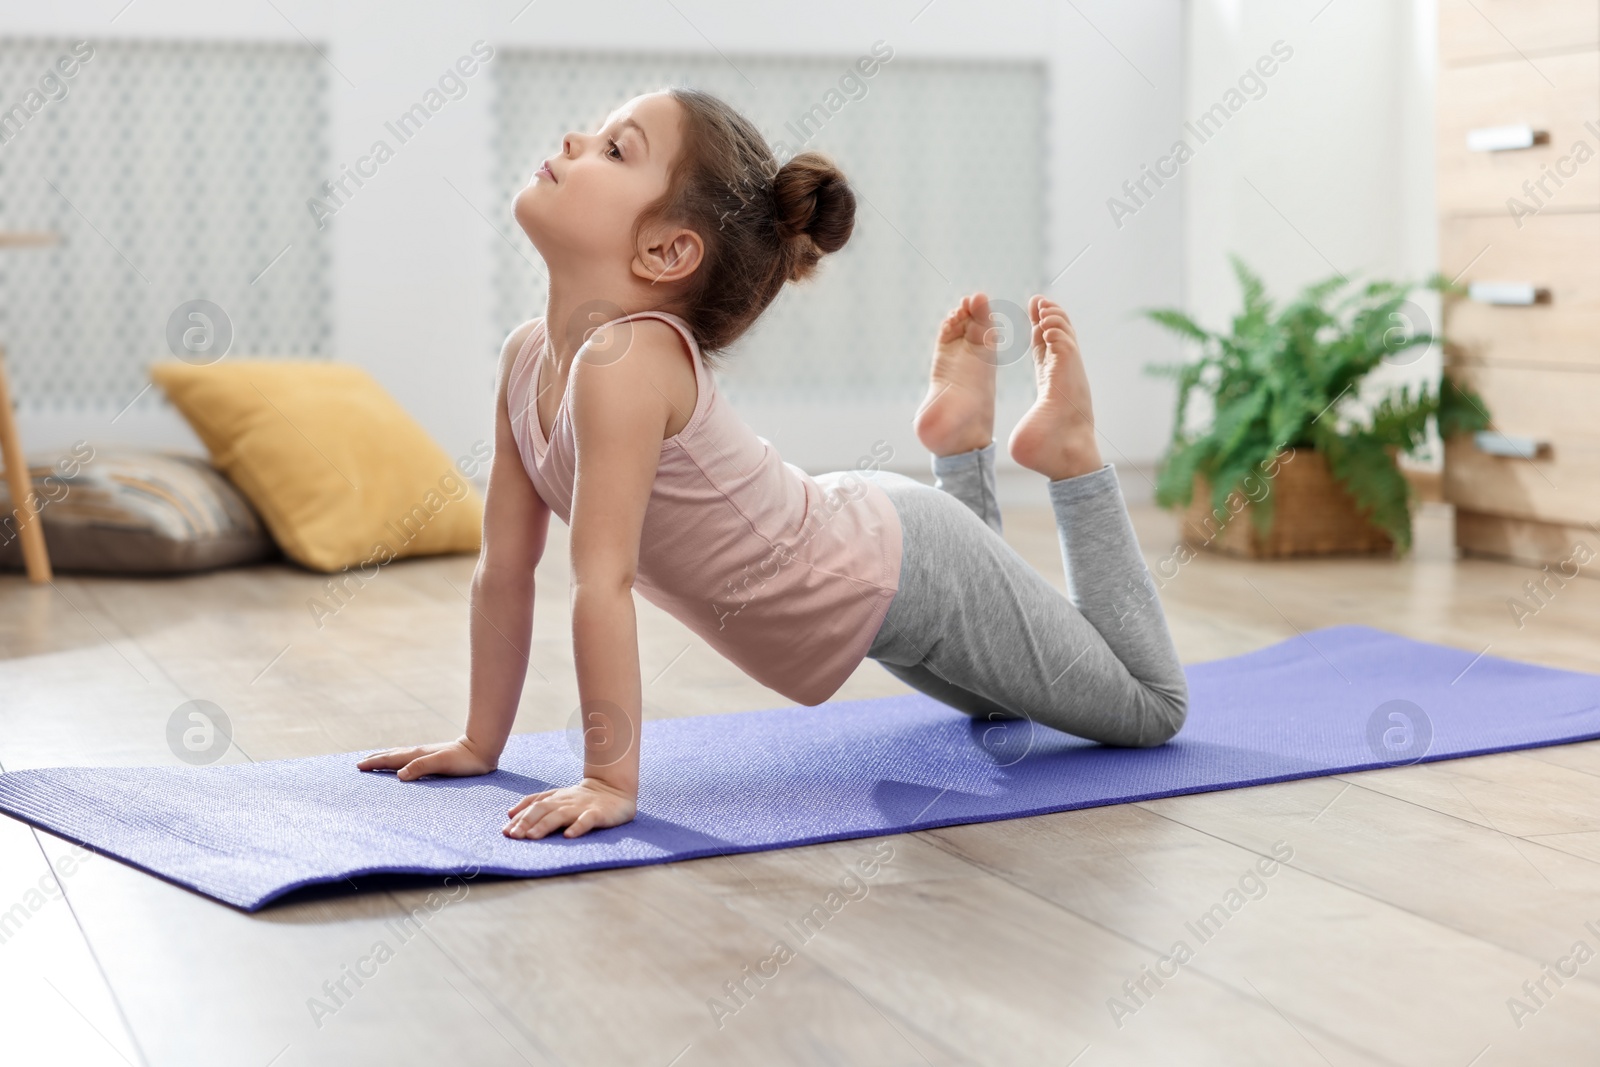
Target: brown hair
<point>762,224</point>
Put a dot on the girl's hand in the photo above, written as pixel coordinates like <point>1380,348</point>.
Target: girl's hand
<point>458,759</point>
<point>580,808</point>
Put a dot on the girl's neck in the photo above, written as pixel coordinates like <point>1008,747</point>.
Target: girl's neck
<point>573,311</point>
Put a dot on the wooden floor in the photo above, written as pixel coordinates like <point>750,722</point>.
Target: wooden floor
<point>1417,900</point>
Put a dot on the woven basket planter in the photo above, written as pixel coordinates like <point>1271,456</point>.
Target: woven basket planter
<point>1313,515</point>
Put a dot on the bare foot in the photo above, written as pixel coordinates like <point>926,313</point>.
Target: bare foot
<point>958,413</point>
<point>1056,436</point>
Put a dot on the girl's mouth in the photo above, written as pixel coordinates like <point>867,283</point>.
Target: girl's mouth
<point>544,171</point>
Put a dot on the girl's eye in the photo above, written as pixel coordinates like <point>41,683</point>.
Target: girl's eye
<point>618,150</point>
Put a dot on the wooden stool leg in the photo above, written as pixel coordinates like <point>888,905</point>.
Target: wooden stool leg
<point>29,528</point>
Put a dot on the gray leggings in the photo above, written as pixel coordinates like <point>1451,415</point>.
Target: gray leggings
<point>977,628</point>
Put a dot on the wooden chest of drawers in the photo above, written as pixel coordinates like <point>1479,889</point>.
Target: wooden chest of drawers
<point>1471,31</point>
<point>1519,204</point>
<point>1559,253</point>
<point>1556,97</point>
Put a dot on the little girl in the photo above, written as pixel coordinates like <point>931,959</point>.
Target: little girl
<point>666,234</point>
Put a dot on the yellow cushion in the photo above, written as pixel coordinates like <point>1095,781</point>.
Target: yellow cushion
<point>341,475</point>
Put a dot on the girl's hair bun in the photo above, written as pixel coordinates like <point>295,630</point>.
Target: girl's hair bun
<point>764,224</point>
<point>815,208</point>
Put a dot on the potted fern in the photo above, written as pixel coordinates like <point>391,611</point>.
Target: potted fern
<point>1290,439</point>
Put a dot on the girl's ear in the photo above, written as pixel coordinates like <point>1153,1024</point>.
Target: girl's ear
<point>668,256</point>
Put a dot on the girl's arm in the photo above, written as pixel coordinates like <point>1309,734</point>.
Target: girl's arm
<point>620,413</point>
<point>515,523</point>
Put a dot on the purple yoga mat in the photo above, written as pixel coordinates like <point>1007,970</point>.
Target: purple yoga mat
<point>1341,699</point>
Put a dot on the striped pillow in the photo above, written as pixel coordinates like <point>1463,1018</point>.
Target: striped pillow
<point>135,512</point>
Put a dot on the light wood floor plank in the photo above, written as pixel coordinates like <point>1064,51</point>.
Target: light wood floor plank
<point>1418,900</point>
<point>1355,959</point>
<point>55,1006</point>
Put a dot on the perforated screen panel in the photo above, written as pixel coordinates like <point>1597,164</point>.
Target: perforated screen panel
<point>172,172</point>
<point>947,160</point>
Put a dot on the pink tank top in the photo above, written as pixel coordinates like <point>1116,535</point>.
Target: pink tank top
<point>787,574</point>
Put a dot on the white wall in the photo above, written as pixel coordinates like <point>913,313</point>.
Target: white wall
<point>1332,169</point>
<point>412,261</point>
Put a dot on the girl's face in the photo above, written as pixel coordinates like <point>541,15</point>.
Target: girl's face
<point>585,199</point>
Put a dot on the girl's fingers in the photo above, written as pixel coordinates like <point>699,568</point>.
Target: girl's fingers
<point>520,821</point>
<point>534,817</point>
<point>387,760</point>
<point>552,821</point>
<point>538,820</point>
<point>415,769</point>
<point>529,799</point>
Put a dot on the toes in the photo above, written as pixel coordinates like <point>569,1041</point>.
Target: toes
<point>950,329</point>
<point>1062,337</point>
<point>972,311</point>
<point>1051,327</point>
<point>1042,307</point>
<point>982,316</point>
<point>954,324</point>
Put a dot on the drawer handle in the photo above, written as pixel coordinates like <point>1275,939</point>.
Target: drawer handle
<point>1513,293</point>
<point>1505,138</point>
<point>1517,446</point>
